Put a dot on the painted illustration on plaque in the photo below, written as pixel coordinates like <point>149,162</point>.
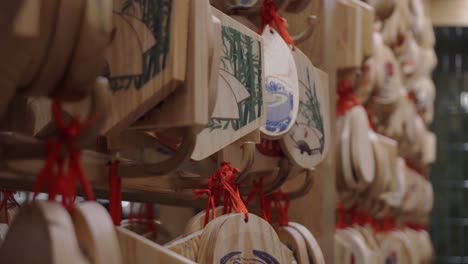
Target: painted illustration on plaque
<point>282,86</point>
<point>240,98</point>
<point>280,104</point>
<point>140,46</point>
<point>308,131</point>
<point>256,257</point>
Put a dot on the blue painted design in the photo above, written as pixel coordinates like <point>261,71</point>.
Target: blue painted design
<point>260,257</point>
<point>280,107</point>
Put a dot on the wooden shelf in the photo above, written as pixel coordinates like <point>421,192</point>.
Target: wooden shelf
<point>137,185</point>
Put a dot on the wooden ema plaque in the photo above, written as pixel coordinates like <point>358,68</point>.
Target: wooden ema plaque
<point>348,32</point>
<point>367,26</point>
<point>351,247</point>
<point>191,105</point>
<point>282,86</point>
<point>307,142</point>
<point>96,233</point>
<point>147,57</point>
<point>291,238</point>
<point>232,240</point>
<point>314,252</point>
<point>239,108</point>
<point>362,155</point>
<point>45,231</point>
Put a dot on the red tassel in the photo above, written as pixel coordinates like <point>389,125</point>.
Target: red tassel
<point>346,98</point>
<point>270,17</point>
<point>115,193</point>
<point>222,183</point>
<point>63,182</point>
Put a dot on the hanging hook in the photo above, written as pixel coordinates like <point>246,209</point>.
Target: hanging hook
<point>166,166</point>
<point>307,32</point>
<point>305,188</point>
<point>31,148</point>
<point>248,155</point>
<point>281,175</point>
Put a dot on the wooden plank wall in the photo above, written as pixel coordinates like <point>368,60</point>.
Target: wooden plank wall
<point>316,210</point>
<point>448,12</point>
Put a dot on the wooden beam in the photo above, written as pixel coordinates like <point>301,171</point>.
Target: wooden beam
<point>448,12</point>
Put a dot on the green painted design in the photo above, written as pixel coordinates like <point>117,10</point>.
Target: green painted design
<point>310,109</point>
<point>156,16</point>
<point>242,58</point>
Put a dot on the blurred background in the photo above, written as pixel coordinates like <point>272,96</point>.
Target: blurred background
<point>449,175</point>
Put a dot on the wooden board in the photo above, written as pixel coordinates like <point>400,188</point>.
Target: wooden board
<point>383,8</point>
<point>313,248</point>
<point>147,58</point>
<point>354,246</point>
<point>344,151</point>
<point>366,13</point>
<point>388,86</point>
<point>282,86</point>
<point>392,249</point>
<point>307,142</point>
<point>43,230</point>
<point>232,238</point>
<point>189,105</point>
<point>197,222</point>
<point>383,168</point>
<point>3,232</point>
<point>429,152</point>
<point>138,250</point>
<point>448,13</point>
<point>362,155</point>
<point>295,242</point>
<point>239,108</point>
<point>96,234</point>
<point>348,36</point>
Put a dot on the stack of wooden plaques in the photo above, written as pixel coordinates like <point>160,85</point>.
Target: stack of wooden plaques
<point>388,109</point>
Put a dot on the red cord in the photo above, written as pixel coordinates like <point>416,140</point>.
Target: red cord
<point>341,213</point>
<point>416,227</point>
<point>346,98</point>
<point>222,184</point>
<point>281,203</point>
<point>115,193</point>
<point>270,17</point>
<point>8,196</point>
<point>265,202</point>
<point>63,182</point>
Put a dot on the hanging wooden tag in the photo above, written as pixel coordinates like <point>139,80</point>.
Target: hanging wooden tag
<point>282,86</point>
<point>232,238</point>
<point>348,36</point>
<point>307,142</point>
<point>192,104</point>
<point>366,22</point>
<point>392,248</point>
<point>239,108</point>
<point>383,161</point>
<point>295,242</point>
<point>313,248</point>
<point>350,178</point>
<point>96,233</point>
<point>45,231</point>
<point>355,244</point>
<point>362,155</point>
<point>147,57</point>
<point>429,148</point>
